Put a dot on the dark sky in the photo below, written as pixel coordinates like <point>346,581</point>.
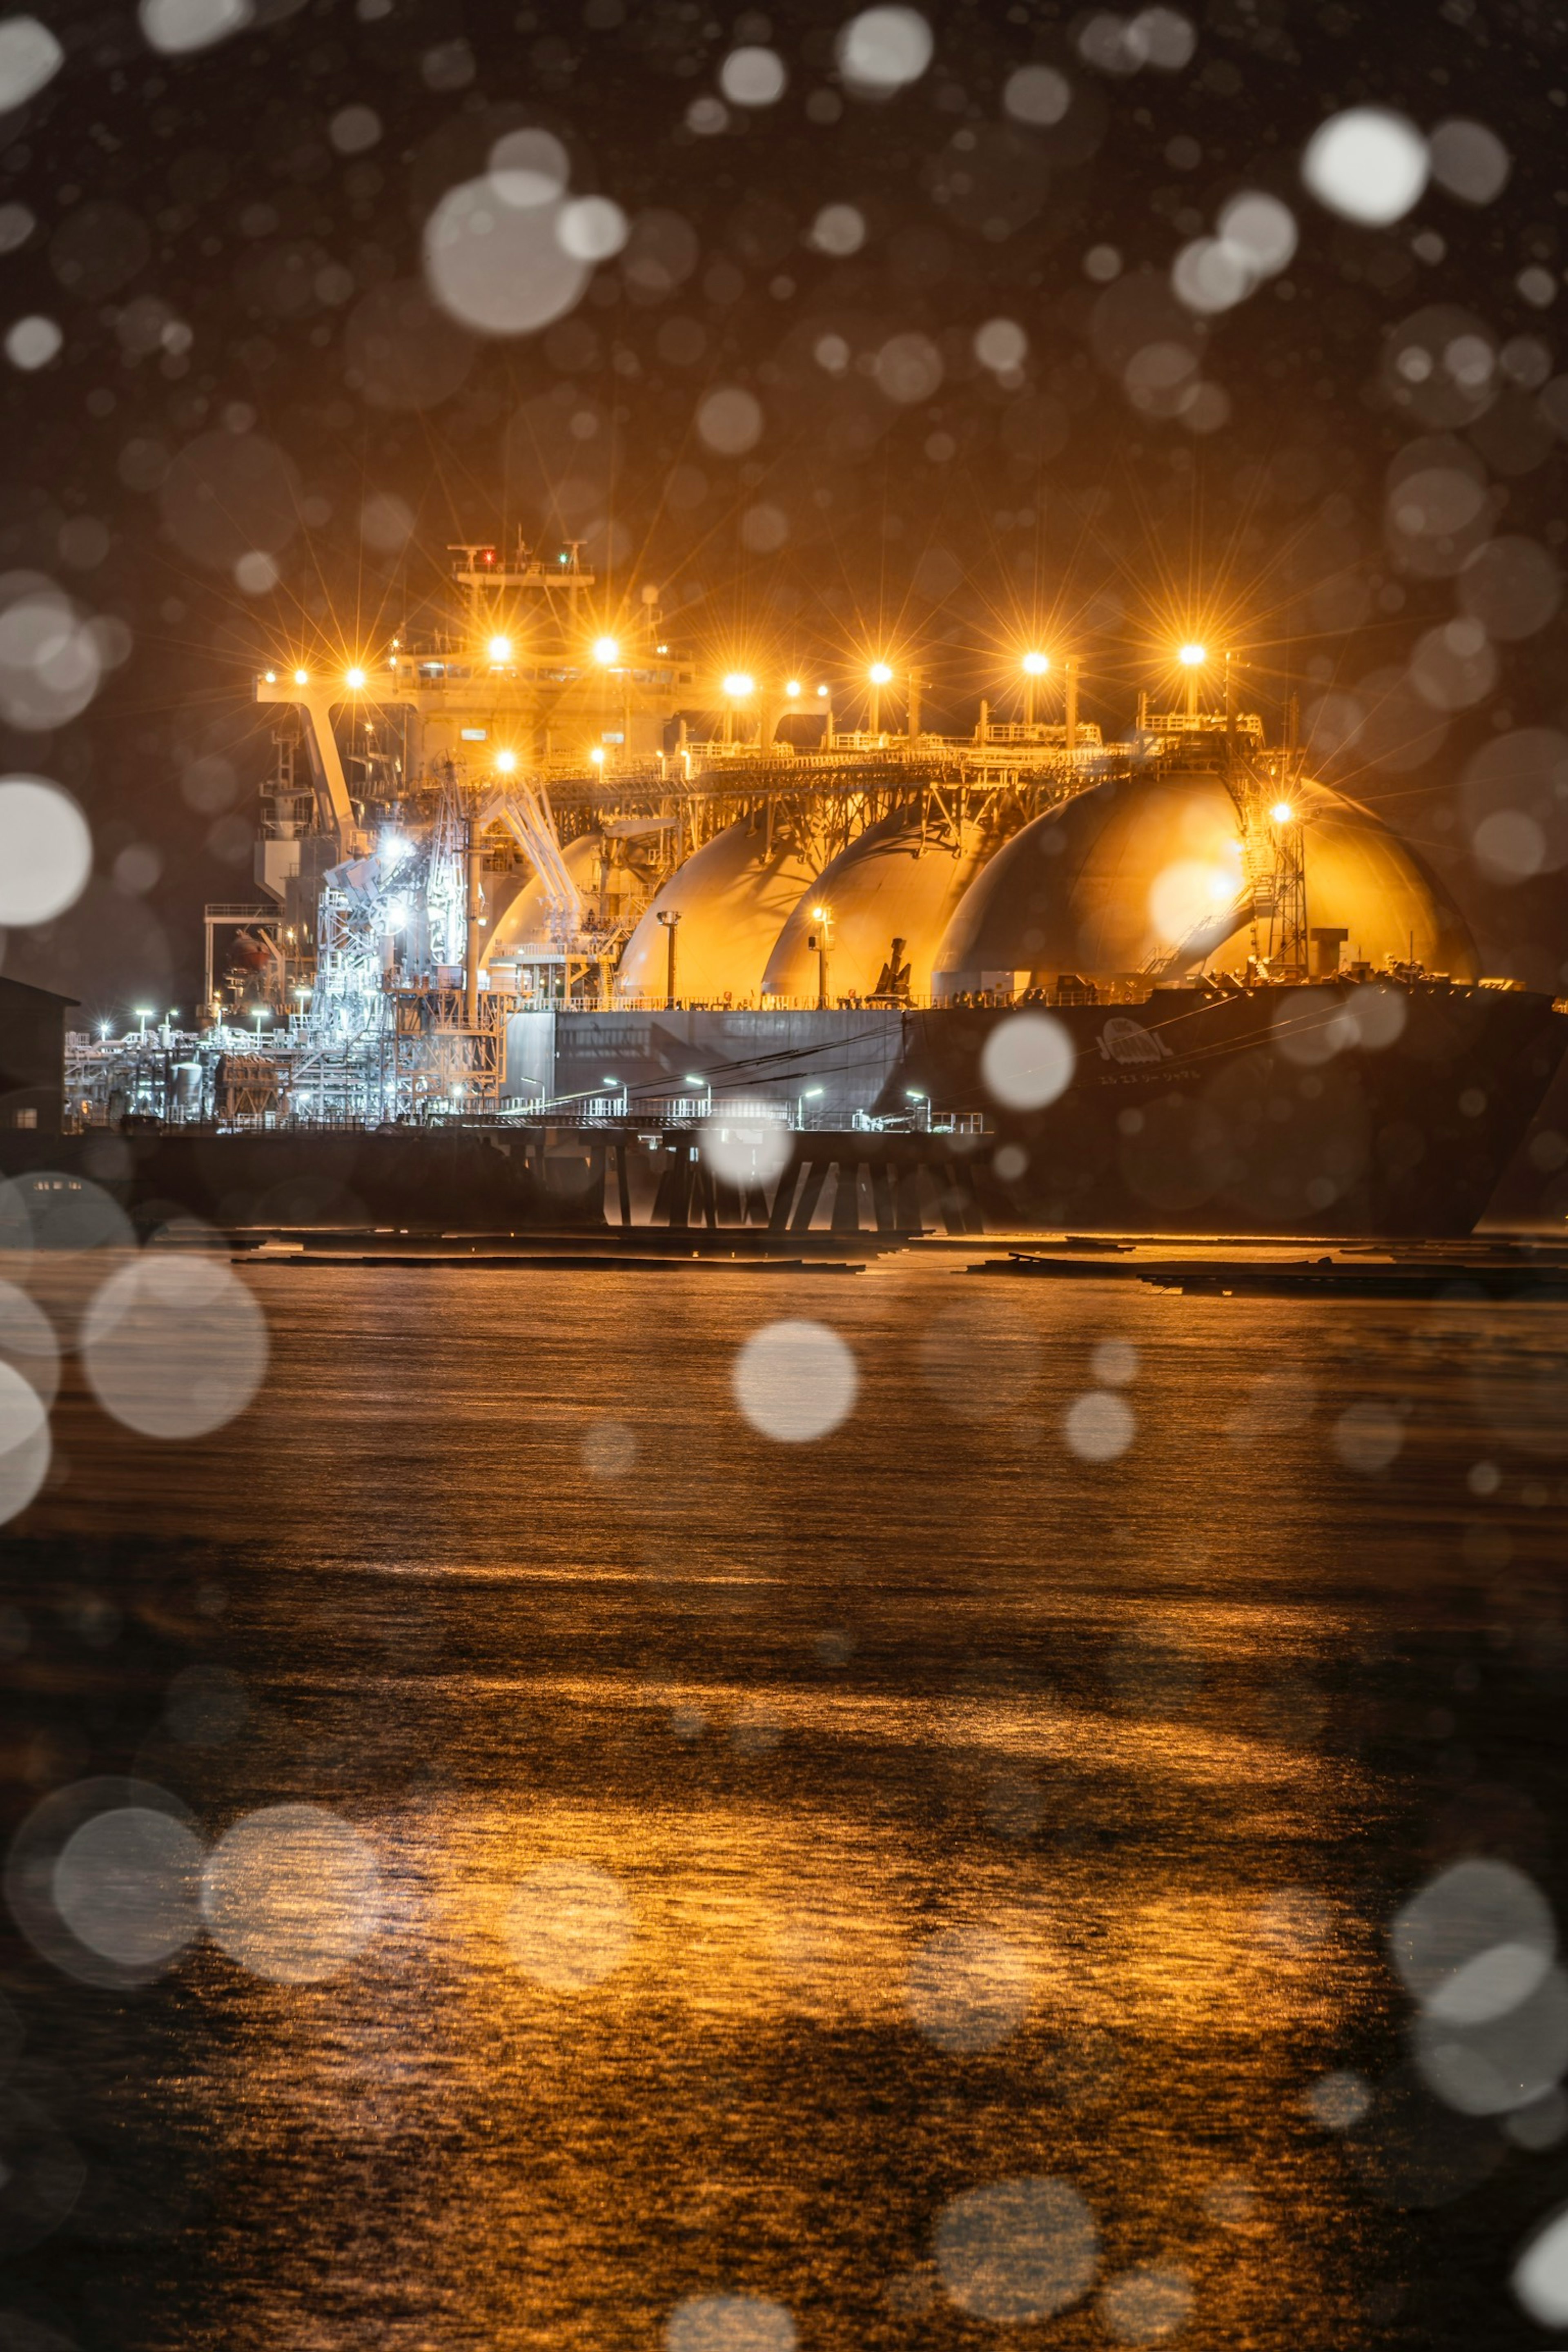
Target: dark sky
<point>893,369</point>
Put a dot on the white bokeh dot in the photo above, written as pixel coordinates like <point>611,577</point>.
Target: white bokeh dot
<point>33,342</point>
<point>795,1381</point>
<point>1101,1426</point>
<point>48,850</point>
<point>882,49</point>
<point>752,77</point>
<point>1367,164</point>
<point>1027,1061</point>
<point>569,1925</point>
<point>292,1892</point>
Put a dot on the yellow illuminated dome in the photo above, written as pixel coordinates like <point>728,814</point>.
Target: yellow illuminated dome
<point>734,896</point>
<point>523,925</point>
<point>1147,874</point>
<point>890,882</point>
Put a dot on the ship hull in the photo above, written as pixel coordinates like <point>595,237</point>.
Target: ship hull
<point>1313,1111</point>
<point>1335,1111</point>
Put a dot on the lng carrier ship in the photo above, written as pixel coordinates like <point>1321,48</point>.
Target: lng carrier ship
<point>555,925</point>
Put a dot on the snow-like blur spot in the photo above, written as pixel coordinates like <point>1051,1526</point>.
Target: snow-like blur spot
<point>968,1989</point>
<point>1367,164</point>
<point>1018,2249</point>
<point>126,1883</point>
<point>745,1154</point>
<point>354,129</point>
<point>730,2322</point>
<point>1147,2305</point>
<point>1476,1940</point>
<point>25,1447</point>
<point>48,847</point>
<point>729,421</point>
<point>1000,345</point>
<point>795,1381</point>
<point>1541,2274</point>
<point>883,49</point>
<point>1037,94</point>
<point>908,369</point>
<point>1027,1061</point>
<point>838,230</point>
<point>1101,1426</point>
<point>292,1893</point>
<point>752,77</point>
<point>1256,237</point>
<point>174,1345</point>
<point>29,56</point>
<point>591,228</point>
<point>1368,1437</point>
<point>1161,37</point>
<point>176,26</point>
<point>569,1925</point>
<point>1469,161</point>
<point>33,342</point>
<point>508,253</point>
<point>1338,2100</point>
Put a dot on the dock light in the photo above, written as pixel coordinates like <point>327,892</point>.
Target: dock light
<point>505,763</point>
<point>597,755</point>
<point>607,652</point>
<point>355,682</point>
<point>737,685</point>
<point>880,674</point>
<point>1191,656</point>
<point>914,1094</point>
<point>1281,811</point>
<point>500,649</point>
<point>791,687</point>
<point>1037,665</point>
<point>301,678</point>
<point>1034,666</point>
<point>143,1014</point>
<point>103,1028</point>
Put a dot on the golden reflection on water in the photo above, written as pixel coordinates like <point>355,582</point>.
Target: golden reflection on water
<point>979,1812</point>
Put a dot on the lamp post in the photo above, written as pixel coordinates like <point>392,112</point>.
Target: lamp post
<point>739,686</point>
<point>879,676</point>
<point>821,939</point>
<point>671,917</point>
<point>1034,666</point>
<point>1191,659</point>
<point>805,1098</point>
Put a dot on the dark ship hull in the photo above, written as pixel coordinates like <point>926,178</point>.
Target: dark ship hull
<point>1274,1110</point>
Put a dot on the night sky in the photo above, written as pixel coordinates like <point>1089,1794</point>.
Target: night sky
<point>878,368</point>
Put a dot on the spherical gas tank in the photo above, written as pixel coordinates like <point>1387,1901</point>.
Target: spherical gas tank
<point>523,923</point>
<point>896,880</point>
<point>733,895</point>
<point>1147,875</point>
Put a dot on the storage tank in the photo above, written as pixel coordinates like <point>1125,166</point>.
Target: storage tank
<point>898,879</point>
<point>524,922</point>
<point>1147,872</point>
<point>733,896</point>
